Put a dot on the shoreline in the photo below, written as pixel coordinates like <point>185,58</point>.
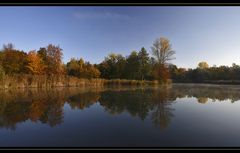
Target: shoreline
<point>44,81</point>
<point>205,84</point>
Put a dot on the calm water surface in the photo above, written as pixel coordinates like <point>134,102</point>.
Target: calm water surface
<point>180,115</point>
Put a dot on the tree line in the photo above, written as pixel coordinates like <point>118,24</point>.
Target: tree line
<point>206,74</point>
<point>48,61</point>
<point>139,65</point>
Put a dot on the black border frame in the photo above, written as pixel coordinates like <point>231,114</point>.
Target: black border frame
<point>117,3</point>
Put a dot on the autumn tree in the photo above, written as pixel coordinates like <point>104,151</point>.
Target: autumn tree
<point>90,71</point>
<point>203,65</point>
<point>82,69</point>
<point>161,73</point>
<point>163,53</point>
<point>12,60</point>
<point>35,63</point>
<point>54,60</point>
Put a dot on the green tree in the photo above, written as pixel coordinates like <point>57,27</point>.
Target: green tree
<point>120,66</point>
<point>144,63</point>
<point>104,69</point>
<point>73,67</point>
<point>133,66</point>
<point>113,66</point>
<point>111,61</point>
<point>42,52</point>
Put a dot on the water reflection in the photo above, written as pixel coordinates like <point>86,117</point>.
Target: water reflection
<point>162,112</point>
<point>47,106</point>
<point>205,93</point>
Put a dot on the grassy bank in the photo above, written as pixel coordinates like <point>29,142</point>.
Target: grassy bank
<point>44,81</point>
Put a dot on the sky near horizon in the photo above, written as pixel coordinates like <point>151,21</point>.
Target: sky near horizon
<point>197,33</point>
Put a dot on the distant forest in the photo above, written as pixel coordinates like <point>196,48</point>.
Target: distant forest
<point>139,65</point>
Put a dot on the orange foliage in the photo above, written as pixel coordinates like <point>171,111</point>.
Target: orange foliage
<point>35,63</point>
<point>160,72</point>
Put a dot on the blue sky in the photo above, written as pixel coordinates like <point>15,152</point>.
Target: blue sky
<point>197,34</point>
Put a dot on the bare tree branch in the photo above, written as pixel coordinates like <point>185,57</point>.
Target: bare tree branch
<point>162,50</point>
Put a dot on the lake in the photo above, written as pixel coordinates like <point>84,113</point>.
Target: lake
<point>174,116</point>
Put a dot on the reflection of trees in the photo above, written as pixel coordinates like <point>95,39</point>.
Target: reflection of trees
<point>202,100</point>
<point>45,106</point>
<point>19,106</point>
<point>161,115</point>
<point>157,102</point>
<point>83,100</point>
<point>140,103</point>
<point>205,92</point>
<point>162,112</point>
<point>13,113</point>
<point>136,102</point>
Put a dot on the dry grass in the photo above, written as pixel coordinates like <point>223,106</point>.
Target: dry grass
<point>44,81</point>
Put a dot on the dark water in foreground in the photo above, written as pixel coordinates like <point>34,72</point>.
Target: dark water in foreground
<point>181,115</point>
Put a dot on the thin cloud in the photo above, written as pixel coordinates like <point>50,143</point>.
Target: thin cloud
<point>100,15</point>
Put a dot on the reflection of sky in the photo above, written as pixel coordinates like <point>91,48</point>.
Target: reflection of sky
<point>197,33</point>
